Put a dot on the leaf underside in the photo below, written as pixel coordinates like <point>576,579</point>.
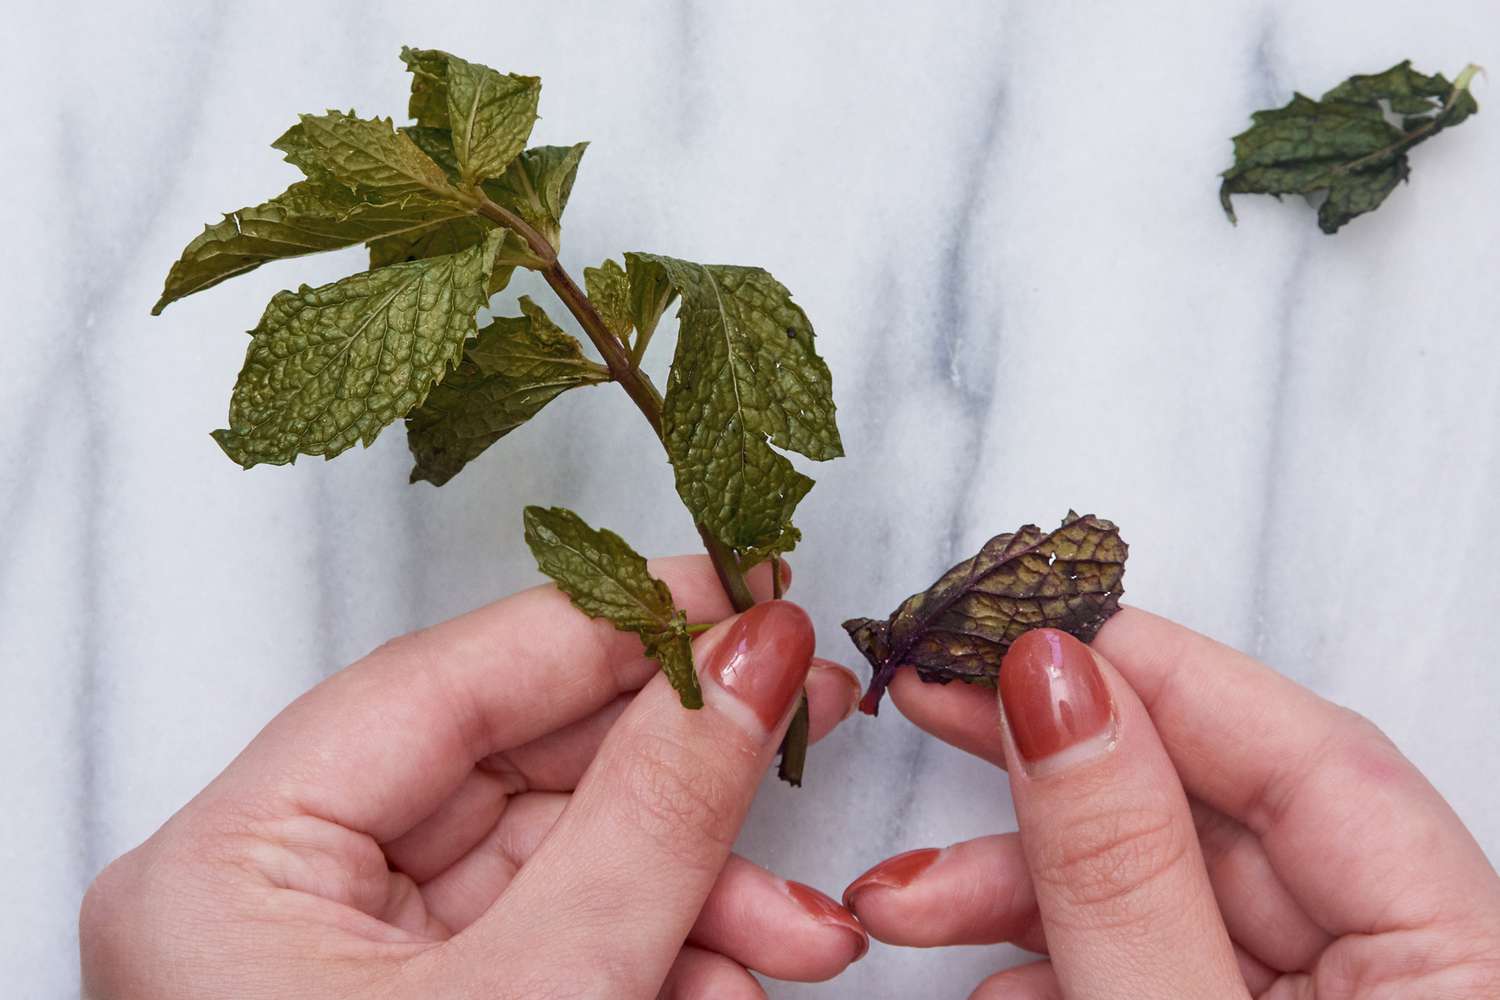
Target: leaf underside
<point>605,578</point>
<point>515,366</point>
<point>1344,143</point>
<point>746,376</point>
<point>961,626</point>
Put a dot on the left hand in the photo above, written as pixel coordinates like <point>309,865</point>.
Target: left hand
<point>512,803</point>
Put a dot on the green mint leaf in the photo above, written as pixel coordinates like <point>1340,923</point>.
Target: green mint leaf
<point>428,106</point>
<point>369,157</point>
<point>606,578</point>
<point>650,295</point>
<point>745,376</point>
<point>309,217</point>
<point>961,626</point>
<point>609,290</point>
<point>437,144</point>
<point>516,366</point>
<point>536,186</point>
<point>331,366</point>
<point>489,114</point>
<point>1343,143</point>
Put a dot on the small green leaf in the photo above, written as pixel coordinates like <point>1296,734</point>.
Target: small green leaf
<point>309,217</point>
<point>536,186</point>
<point>1343,143</point>
<point>370,158</point>
<point>490,114</point>
<point>609,290</point>
<point>428,106</point>
<point>516,366</point>
<point>606,578</point>
<point>746,376</point>
<point>331,366</point>
<point>960,627</point>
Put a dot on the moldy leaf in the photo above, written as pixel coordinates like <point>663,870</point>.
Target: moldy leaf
<point>961,626</point>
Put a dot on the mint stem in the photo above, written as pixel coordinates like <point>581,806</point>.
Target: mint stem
<point>625,369</point>
<point>636,383</point>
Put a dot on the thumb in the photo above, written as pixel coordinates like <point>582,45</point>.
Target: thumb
<point>615,887</point>
<point>1126,905</point>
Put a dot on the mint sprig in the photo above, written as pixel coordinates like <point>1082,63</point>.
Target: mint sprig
<point>449,206</point>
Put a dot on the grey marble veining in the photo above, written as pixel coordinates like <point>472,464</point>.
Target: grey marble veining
<point>1001,219</point>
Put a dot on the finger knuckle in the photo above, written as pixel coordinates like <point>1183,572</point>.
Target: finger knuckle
<point>672,789</point>
<point>1108,858</point>
<point>108,918</point>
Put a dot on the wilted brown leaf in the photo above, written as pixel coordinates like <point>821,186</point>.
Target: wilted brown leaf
<point>961,626</point>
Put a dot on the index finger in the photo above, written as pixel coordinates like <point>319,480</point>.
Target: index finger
<point>377,746</point>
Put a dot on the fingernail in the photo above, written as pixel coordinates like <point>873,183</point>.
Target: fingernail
<point>893,873</point>
<point>825,911</point>
<point>850,681</point>
<point>764,659</point>
<point>1055,700</point>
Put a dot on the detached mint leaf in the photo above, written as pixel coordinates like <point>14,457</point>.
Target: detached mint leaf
<point>745,376</point>
<point>489,114</point>
<point>609,290</point>
<point>1343,143</point>
<point>516,366</point>
<point>331,366</point>
<point>961,626</point>
<point>606,578</point>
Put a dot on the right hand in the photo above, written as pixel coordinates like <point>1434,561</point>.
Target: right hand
<point>1232,835</point>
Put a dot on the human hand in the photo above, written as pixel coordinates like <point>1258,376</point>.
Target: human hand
<point>1305,860</point>
<point>512,803</point>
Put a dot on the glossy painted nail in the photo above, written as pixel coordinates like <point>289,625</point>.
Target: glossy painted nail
<point>1056,702</point>
<point>893,873</point>
<point>850,681</point>
<point>764,658</point>
<point>825,911</point>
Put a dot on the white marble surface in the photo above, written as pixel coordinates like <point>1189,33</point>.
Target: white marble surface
<point>1001,218</point>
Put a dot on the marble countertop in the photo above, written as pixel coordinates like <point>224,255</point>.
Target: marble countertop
<point>1001,218</point>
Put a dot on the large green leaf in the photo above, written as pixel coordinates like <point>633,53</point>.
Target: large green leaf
<point>331,366</point>
<point>489,114</point>
<point>1344,143</point>
<point>365,182</point>
<point>309,217</point>
<point>746,375</point>
<point>516,366</point>
<point>369,157</point>
<point>606,578</point>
